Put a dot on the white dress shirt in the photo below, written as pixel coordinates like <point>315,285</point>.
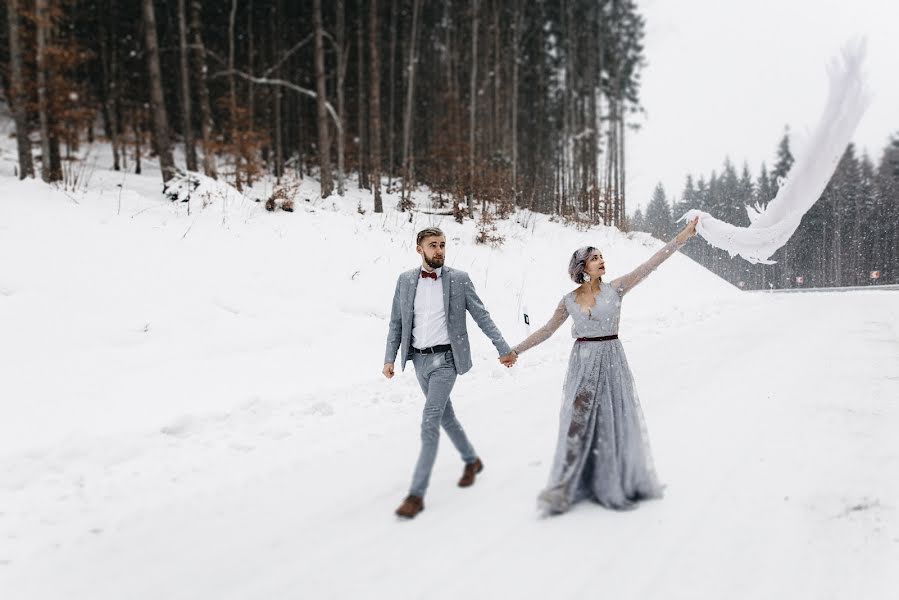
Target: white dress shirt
<point>429,320</point>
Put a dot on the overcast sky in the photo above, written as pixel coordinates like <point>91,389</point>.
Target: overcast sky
<point>724,77</point>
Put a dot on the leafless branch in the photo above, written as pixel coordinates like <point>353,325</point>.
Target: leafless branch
<point>287,84</point>
<point>287,54</point>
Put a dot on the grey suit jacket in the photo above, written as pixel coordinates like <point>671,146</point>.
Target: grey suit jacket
<point>458,296</point>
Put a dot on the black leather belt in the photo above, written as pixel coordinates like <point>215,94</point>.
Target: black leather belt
<point>604,338</point>
<point>433,349</point>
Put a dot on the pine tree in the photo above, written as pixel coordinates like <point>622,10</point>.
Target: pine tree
<point>872,250</point>
<point>658,215</point>
<point>783,270</point>
<point>764,190</point>
<point>784,162</point>
<point>638,223</point>
<point>687,201</point>
<point>888,194</point>
<point>745,196</point>
<point>845,183</point>
<point>764,193</point>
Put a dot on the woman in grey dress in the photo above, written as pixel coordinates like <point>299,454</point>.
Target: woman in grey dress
<point>603,451</point>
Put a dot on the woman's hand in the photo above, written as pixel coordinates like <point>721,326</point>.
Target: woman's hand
<point>687,232</point>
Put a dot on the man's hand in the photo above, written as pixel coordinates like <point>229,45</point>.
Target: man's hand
<point>509,359</point>
<point>388,370</point>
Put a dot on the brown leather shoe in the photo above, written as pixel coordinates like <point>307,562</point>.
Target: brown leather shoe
<point>410,507</point>
<point>471,469</point>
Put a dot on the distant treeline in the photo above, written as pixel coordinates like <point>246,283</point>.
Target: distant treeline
<point>849,237</point>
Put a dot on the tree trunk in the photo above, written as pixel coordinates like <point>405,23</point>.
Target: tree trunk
<point>392,83</point>
<point>324,139</point>
<point>361,123</point>
<point>251,101</point>
<point>496,126</point>
<point>516,43</point>
<point>137,116</point>
<point>375,98</point>
<point>48,171</point>
<point>199,56</point>
<point>410,94</point>
<point>189,150</point>
<point>473,94</point>
<point>232,96</point>
<point>110,82</point>
<point>341,102</point>
<point>278,125</point>
<point>16,96</point>
<point>454,116</point>
<point>157,103</point>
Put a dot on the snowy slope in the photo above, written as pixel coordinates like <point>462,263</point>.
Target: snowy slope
<point>191,406</point>
<point>134,308</point>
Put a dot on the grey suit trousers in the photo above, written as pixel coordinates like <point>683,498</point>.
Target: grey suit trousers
<point>436,374</point>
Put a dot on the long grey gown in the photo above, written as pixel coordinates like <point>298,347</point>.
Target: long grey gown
<point>603,450</point>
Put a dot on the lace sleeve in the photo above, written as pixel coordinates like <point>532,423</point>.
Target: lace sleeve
<point>543,334</point>
<point>626,282</point>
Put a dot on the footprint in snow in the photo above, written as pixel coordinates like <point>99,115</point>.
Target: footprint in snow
<point>324,409</point>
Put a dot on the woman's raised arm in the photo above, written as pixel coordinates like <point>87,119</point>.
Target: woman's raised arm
<point>626,282</point>
<point>543,334</point>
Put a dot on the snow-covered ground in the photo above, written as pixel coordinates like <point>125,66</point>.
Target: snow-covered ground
<point>191,406</point>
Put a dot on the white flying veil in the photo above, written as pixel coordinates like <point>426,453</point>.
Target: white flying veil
<point>772,225</point>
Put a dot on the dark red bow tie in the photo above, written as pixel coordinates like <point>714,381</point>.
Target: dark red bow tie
<point>432,275</point>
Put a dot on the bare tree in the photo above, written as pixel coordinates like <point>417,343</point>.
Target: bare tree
<point>341,104</point>
<point>232,96</point>
<point>473,94</point>
<point>136,118</point>
<point>189,150</point>
<point>375,99</point>
<point>199,56</point>
<point>496,76</point>
<point>516,44</point>
<point>157,103</point>
<point>361,124</point>
<point>277,97</point>
<point>16,96</point>
<point>324,139</point>
<point>110,87</point>
<point>391,111</point>
<point>410,93</point>
<point>251,96</point>
<point>50,171</point>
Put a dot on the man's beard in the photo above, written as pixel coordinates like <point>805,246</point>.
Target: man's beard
<point>434,263</point>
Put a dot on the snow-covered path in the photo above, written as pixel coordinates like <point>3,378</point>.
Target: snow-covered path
<point>775,436</point>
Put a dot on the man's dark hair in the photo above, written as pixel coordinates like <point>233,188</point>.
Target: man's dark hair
<point>427,232</point>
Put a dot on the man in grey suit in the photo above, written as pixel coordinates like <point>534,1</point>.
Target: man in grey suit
<point>427,325</point>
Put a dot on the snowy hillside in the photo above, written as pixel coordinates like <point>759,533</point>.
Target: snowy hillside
<point>135,305</point>
<point>191,406</point>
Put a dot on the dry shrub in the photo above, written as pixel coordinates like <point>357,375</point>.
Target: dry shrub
<point>487,232</point>
<point>282,197</point>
